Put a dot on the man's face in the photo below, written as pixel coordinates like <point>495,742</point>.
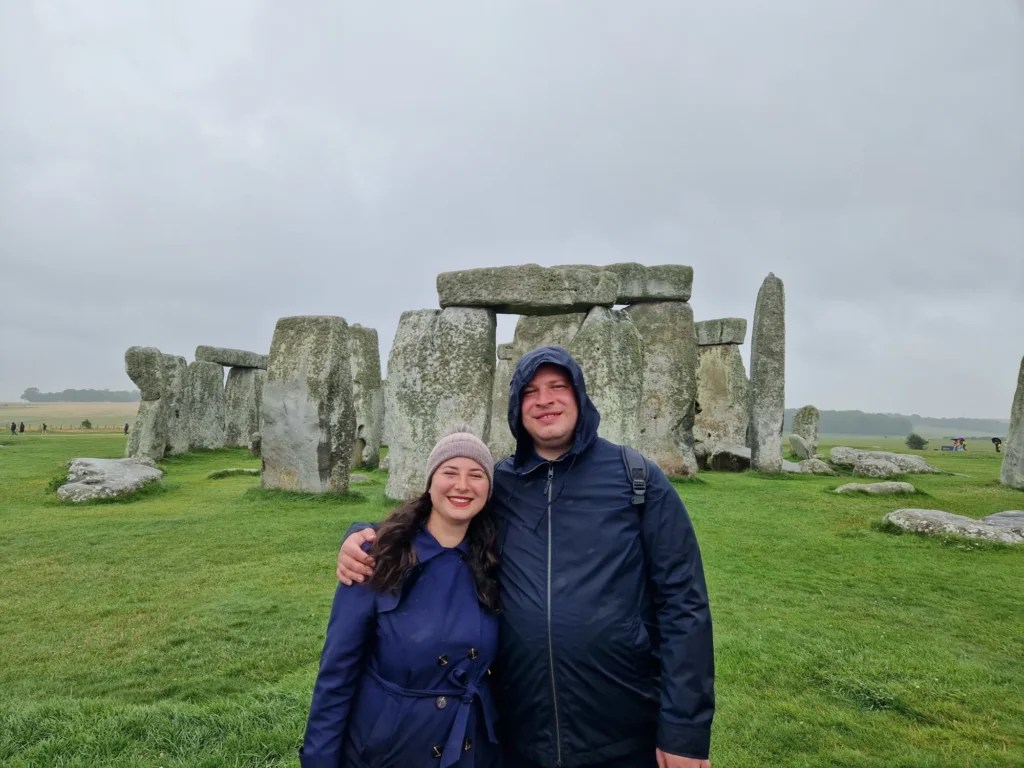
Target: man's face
<point>549,411</point>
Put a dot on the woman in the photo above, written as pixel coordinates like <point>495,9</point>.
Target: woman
<point>404,673</point>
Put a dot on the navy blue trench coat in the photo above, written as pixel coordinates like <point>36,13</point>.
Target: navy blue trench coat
<point>405,679</point>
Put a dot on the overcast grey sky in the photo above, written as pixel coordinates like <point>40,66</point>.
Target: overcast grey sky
<point>175,174</point>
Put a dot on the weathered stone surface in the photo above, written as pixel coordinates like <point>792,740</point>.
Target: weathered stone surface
<point>308,419</point>
<point>723,394</point>
<point>148,438</point>
<point>799,447</point>
<point>529,289</point>
<point>937,523</point>
<point>669,376</point>
<point>870,466</point>
<point>724,330</point>
<point>173,403</point>
<point>792,466</point>
<point>440,374</point>
<point>144,366</point>
<point>730,458</point>
<point>610,352</point>
<point>106,478</point>
<point>1012,472</point>
<point>204,405</point>
<point>664,282</point>
<point>906,463</point>
<point>1011,519</point>
<point>541,331</point>
<point>805,425</point>
<point>875,489</point>
<point>367,395</point>
<point>768,376</point>
<point>159,426</point>
<point>243,394</point>
<point>256,443</point>
<point>500,440</point>
<point>231,358</point>
<point>815,466</point>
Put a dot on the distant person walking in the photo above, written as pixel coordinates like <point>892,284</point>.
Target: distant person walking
<point>126,427</point>
<point>997,442</point>
<point>14,428</point>
<point>21,427</point>
<point>44,427</point>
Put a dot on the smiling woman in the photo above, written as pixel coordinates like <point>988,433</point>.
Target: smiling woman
<point>405,672</point>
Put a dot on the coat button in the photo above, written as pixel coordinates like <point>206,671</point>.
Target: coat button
<point>473,653</point>
<point>436,750</point>
<point>442,661</point>
<point>441,702</point>
<point>467,745</point>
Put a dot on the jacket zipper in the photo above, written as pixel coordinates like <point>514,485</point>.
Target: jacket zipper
<point>551,643</point>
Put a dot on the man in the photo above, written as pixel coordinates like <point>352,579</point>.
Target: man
<point>605,657</point>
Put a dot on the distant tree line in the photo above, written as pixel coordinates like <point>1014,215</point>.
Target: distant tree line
<point>33,395</point>
<point>895,424</point>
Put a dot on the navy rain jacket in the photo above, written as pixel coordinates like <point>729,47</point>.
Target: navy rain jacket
<point>605,645</point>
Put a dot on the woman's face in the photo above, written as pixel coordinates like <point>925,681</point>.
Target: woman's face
<point>458,491</point>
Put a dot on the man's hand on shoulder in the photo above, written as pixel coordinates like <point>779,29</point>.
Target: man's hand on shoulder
<point>354,564</point>
<point>665,760</point>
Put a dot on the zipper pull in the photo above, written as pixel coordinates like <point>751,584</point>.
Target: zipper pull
<point>551,476</point>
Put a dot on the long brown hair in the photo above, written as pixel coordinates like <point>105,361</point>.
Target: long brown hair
<point>393,549</point>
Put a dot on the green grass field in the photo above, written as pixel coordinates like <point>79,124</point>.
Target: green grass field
<point>183,628</point>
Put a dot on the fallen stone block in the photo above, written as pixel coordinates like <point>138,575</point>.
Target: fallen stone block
<point>937,523</point>
<point>876,488</point>
<point>90,479</point>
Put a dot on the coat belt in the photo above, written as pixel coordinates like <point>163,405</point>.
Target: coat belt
<point>465,691</point>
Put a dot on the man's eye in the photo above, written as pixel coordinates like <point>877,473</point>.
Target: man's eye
<point>529,391</point>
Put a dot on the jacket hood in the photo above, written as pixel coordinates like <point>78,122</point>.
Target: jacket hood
<point>589,418</point>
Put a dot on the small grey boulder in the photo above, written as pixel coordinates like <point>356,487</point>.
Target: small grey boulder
<point>876,488</point>
<point>106,478</point>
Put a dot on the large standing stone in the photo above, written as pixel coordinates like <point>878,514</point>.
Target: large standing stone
<point>723,396</point>
<point>805,425</point>
<point>231,358</point>
<point>1012,473</point>
<point>308,418</point>
<point>665,282</point>
<point>158,423</point>
<point>440,375</point>
<point>609,350</point>
<point>724,330</point>
<point>243,394</point>
<point>669,377</point>
<point>367,395</point>
<point>529,289</point>
<point>173,403</point>
<point>768,376</point>
<point>204,405</point>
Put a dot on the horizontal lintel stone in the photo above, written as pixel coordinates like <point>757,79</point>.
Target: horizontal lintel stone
<point>529,289</point>
<point>232,358</point>
<point>639,284</point>
<point>725,330</point>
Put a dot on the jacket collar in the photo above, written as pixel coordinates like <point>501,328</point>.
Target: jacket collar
<point>427,547</point>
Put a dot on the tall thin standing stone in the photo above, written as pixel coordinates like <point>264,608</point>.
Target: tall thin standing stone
<point>308,419</point>
<point>768,376</point>
<point>1012,473</point>
<point>440,375</point>
<point>367,395</point>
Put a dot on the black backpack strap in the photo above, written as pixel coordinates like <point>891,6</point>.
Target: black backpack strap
<point>636,471</point>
